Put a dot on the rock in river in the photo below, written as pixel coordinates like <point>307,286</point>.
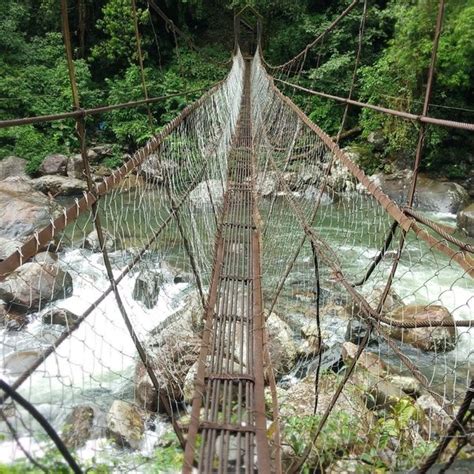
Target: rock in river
<point>147,287</point>
<point>465,220</point>
<point>441,339</point>
<point>59,185</point>
<point>54,164</point>
<point>125,424</point>
<point>13,166</point>
<point>33,285</point>
<point>23,209</point>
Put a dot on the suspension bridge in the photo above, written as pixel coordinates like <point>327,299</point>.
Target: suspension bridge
<point>287,211</point>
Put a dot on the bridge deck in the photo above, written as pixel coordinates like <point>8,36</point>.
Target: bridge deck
<point>228,408</point>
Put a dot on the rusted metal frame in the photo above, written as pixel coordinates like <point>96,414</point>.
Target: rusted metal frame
<point>50,431</point>
<point>318,39</point>
<point>373,316</point>
<point>263,452</point>
<point>456,425</point>
<point>419,151</point>
<point>32,246</point>
<point>199,384</point>
<point>406,223</point>
<point>397,113</point>
<point>98,226</point>
<point>464,246</point>
<point>354,72</point>
<point>140,59</point>
<point>310,233</point>
<point>380,255</point>
<point>461,442</point>
<point>97,110</point>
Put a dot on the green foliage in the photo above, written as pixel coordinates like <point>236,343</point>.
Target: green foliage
<point>119,44</point>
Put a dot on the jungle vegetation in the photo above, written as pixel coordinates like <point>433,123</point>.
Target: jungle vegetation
<point>395,56</point>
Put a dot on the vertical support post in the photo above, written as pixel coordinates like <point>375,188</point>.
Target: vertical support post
<point>140,59</point>
<point>420,144</point>
<point>100,235</point>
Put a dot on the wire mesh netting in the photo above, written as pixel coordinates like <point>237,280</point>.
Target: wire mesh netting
<point>66,345</point>
<point>368,338</point>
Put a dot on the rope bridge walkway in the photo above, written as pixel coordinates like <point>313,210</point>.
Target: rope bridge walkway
<point>170,292</point>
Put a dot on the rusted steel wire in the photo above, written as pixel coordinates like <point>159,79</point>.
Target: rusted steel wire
<point>14,395</point>
<point>140,59</point>
<point>456,425</point>
<point>97,110</point>
<point>385,110</point>
<point>438,229</point>
<point>405,222</point>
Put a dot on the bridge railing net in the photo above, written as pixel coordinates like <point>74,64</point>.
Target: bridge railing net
<point>65,345</point>
<point>309,196</point>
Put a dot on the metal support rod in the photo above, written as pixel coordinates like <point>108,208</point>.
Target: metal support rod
<point>456,425</point>
<point>140,60</point>
<point>384,110</point>
<point>100,234</point>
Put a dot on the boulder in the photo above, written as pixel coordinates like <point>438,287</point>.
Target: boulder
<point>409,385</point>
<point>33,285</point>
<point>312,193</point>
<point>125,424</point>
<point>54,164</point>
<point>103,150</point>
<point>356,331</point>
<point>465,220</point>
<point>147,287</point>
<point>75,167</point>
<point>173,347</point>
<point>81,425</point>
<point>59,185</point>
<point>438,196</point>
<point>91,242</point>
<point>281,345</point>
<point>266,184</point>
<point>378,140</point>
<point>200,194</point>
<point>49,258</point>
<point>12,318</point>
<point>17,362</point>
<point>7,247</point>
<point>23,209</point>
<point>392,301</point>
<point>431,195</point>
<point>311,345</point>
<point>367,360</point>
<point>156,170</point>
<point>436,421</point>
<point>440,339</point>
<point>13,167</point>
<point>62,317</point>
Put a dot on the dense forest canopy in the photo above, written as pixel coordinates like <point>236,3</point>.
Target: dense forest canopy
<point>395,56</point>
